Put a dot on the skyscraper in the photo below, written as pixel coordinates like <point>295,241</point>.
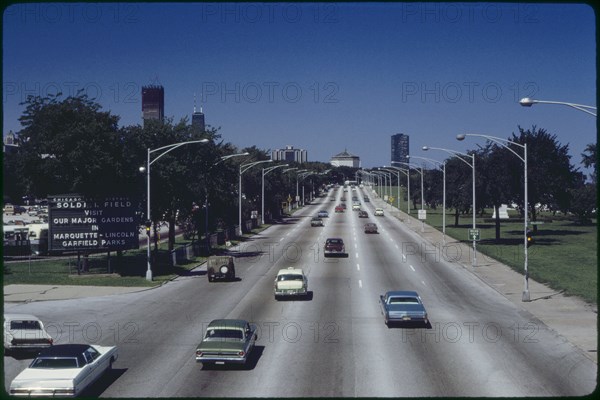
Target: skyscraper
<point>153,102</point>
<point>289,154</point>
<point>399,147</point>
<point>198,119</point>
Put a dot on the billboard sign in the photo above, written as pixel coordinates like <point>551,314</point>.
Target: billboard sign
<point>76,223</point>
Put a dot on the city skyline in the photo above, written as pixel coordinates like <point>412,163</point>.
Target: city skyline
<point>321,76</point>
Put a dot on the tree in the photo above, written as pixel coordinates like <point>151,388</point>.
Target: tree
<point>549,171</point>
<point>589,159</point>
<point>458,186</point>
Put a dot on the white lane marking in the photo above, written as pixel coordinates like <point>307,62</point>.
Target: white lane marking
<point>411,267</point>
<point>423,282</point>
<point>360,283</point>
<point>356,255</point>
<point>280,239</point>
<point>403,257</point>
<point>398,248</point>
<point>357,267</point>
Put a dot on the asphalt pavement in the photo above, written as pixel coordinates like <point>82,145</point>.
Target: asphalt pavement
<point>568,316</point>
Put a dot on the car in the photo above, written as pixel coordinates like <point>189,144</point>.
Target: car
<point>226,341</point>
<point>370,228</point>
<point>355,207</point>
<point>343,205</point>
<point>379,212</point>
<point>366,199</point>
<point>339,208</point>
<point>332,198</point>
<point>363,214</point>
<point>24,332</point>
<point>403,306</point>
<point>64,370</point>
<point>290,282</point>
<point>355,198</point>
<point>334,246</point>
<point>220,267</point>
<point>323,214</point>
<point>316,221</point>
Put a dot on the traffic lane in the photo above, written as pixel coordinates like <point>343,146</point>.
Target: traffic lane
<point>466,306</point>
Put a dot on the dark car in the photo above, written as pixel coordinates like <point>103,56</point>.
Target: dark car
<point>367,199</point>
<point>334,246</point>
<point>220,267</point>
<point>363,214</point>
<point>370,228</point>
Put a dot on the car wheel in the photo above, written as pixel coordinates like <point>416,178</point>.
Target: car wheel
<point>110,364</point>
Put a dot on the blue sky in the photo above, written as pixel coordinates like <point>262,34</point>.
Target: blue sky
<point>319,76</point>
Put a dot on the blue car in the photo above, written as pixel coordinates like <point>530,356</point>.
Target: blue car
<point>403,306</point>
<point>323,214</point>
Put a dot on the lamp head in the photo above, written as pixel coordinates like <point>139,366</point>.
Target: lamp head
<point>142,169</point>
<point>425,148</point>
<point>526,102</point>
<point>460,136</point>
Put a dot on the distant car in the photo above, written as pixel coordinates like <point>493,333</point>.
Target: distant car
<point>64,370</point>
<point>379,212</point>
<point>334,246</point>
<point>226,341</point>
<point>355,198</point>
<point>220,267</point>
<point>370,228</point>
<point>339,209</point>
<point>316,221</point>
<point>19,210</point>
<point>366,199</point>
<point>25,332</point>
<point>332,198</point>
<point>356,207</point>
<point>323,214</point>
<point>343,205</point>
<point>363,214</point>
<point>403,306</point>
<point>290,282</point>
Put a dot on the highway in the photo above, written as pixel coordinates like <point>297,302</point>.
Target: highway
<point>334,343</point>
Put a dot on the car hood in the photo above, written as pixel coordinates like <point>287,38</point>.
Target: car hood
<point>45,378</point>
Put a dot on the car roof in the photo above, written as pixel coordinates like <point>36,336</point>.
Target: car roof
<point>64,350</point>
<point>334,238</point>
<point>227,323</point>
<point>402,293</point>
<point>290,270</point>
<point>12,317</point>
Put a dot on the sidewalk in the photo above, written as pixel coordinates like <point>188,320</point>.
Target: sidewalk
<point>28,293</point>
<point>570,317</point>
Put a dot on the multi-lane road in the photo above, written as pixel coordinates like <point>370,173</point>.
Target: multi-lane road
<point>333,344</point>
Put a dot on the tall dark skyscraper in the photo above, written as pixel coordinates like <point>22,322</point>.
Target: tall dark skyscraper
<point>153,102</point>
<point>400,147</point>
<point>198,119</point>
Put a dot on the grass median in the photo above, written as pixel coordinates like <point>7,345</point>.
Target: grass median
<point>564,254</point>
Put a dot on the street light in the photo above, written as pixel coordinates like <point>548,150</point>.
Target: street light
<point>458,155</point>
<point>443,164</point>
<point>149,162</point>
<point>397,172</point>
<point>304,174</point>
<point>422,192</point>
<point>527,102</point>
<point>264,172</point>
<point>407,173</point>
<point>503,143</point>
<point>244,168</point>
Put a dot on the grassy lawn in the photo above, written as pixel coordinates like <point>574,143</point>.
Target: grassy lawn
<point>130,270</point>
<point>564,254</point>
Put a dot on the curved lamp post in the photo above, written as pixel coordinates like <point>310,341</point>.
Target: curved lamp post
<point>264,172</point>
<point>458,154</point>
<point>397,172</point>
<point>149,162</point>
<point>443,164</point>
<point>407,173</point>
<point>244,168</point>
<point>528,102</point>
<point>415,167</point>
<point>504,143</point>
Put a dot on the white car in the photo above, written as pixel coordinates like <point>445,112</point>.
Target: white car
<point>379,212</point>
<point>64,370</point>
<point>25,332</point>
<point>290,282</point>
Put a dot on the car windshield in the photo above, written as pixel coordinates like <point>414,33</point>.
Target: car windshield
<point>403,300</point>
<point>25,325</point>
<point>289,277</point>
<point>334,241</point>
<point>224,334</point>
<point>55,363</point>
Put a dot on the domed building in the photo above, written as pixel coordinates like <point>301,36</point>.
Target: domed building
<point>345,159</point>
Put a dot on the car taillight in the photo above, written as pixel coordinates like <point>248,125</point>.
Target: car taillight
<point>241,354</point>
<point>198,353</point>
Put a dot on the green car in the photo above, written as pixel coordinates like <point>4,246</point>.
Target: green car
<point>226,341</point>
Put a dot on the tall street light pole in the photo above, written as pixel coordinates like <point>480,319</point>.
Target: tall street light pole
<point>414,166</point>
<point>458,155</point>
<point>407,173</point>
<point>527,102</point>
<point>397,172</point>
<point>149,162</point>
<point>265,171</point>
<point>244,168</point>
<point>505,143</point>
<point>443,164</point>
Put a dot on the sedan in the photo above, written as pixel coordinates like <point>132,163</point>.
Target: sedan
<point>334,246</point>
<point>379,212</point>
<point>226,341</point>
<point>24,332</point>
<point>64,370</point>
<point>316,221</point>
<point>339,209</point>
<point>370,228</point>
<point>403,306</point>
<point>323,214</point>
<point>363,214</point>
